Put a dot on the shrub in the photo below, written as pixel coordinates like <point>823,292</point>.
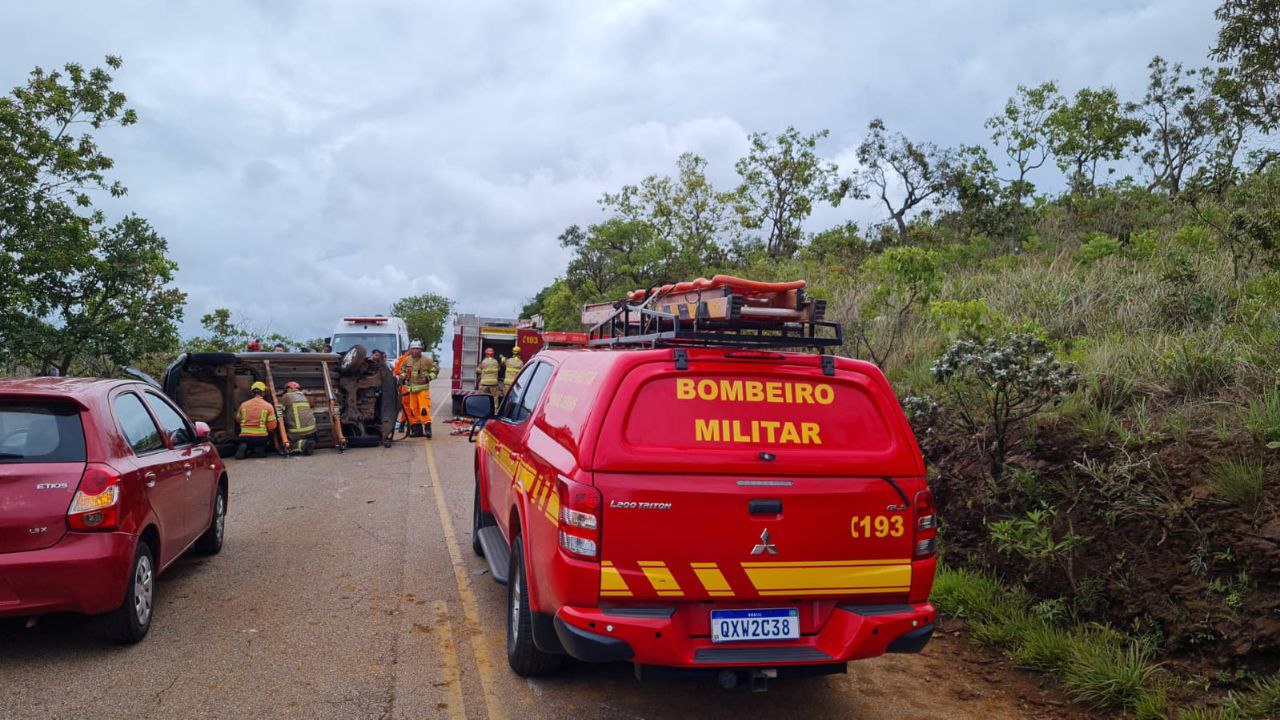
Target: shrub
<point>996,385</point>
<point>1239,482</point>
<point>971,319</point>
<point>898,279</point>
<point>1031,537</point>
<point>1096,247</point>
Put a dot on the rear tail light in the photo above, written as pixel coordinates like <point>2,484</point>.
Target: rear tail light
<point>579,518</point>
<point>96,504</point>
<point>926,525</point>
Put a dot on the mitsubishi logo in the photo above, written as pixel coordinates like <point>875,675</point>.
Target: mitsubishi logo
<point>765,546</point>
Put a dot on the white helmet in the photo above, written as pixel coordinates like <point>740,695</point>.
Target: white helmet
<point>415,345</point>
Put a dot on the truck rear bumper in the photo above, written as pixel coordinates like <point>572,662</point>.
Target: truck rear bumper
<point>646,637</point>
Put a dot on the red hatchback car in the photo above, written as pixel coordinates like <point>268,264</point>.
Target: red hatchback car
<point>103,485</point>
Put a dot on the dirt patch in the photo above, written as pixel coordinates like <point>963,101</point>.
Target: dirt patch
<point>1158,552</point>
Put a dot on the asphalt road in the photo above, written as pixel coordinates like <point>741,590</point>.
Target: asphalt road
<point>347,589</point>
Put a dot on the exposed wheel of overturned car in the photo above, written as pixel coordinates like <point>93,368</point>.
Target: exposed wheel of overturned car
<point>358,439</point>
<point>352,362</point>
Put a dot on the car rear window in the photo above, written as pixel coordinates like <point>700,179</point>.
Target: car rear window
<point>40,432</point>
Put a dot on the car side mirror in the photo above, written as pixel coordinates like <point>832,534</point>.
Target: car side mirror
<point>479,407</point>
<point>202,430</point>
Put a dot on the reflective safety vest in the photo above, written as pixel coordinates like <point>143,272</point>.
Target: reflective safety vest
<point>299,418</point>
<point>256,417</point>
<point>418,372</point>
<point>488,371</point>
<point>512,365</point>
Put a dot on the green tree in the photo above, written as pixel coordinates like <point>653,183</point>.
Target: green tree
<point>73,290</point>
<point>426,315</point>
<point>1179,110</point>
<point>782,180</point>
<point>685,213</point>
<point>1022,131</point>
<point>1090,129</point>
<point>1249,40</point>
<point>892,163</point>
<point>226,334</point>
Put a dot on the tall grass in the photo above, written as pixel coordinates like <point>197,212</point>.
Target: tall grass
<point>1262,416</point>
<point>1098,666</point>
<point>1239,482</point>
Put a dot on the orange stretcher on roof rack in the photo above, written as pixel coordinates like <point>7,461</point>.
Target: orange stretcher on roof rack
<point>723,297</point>
<point>724,310</point>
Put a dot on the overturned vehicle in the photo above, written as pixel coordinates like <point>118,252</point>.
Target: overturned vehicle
<point>361,393</point>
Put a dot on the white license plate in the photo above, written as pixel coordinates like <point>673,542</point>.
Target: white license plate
<point>748,625</point>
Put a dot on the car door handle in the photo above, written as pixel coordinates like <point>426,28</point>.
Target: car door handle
<point>764,507</point>
<point>150,478</point>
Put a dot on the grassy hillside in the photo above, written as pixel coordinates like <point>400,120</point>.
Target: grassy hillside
<point>1145,496</point>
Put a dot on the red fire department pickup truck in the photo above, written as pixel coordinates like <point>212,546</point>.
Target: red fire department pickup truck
<point>684,494</point>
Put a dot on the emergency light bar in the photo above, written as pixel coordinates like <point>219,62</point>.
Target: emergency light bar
<point>377,320</point>
<point>565,338</point>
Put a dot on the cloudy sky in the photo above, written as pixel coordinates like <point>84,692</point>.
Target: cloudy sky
<point>312,159</point>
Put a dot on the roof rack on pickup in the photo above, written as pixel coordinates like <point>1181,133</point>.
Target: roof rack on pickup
<point>722,311</point>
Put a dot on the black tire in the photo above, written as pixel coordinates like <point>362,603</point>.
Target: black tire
<point>130,622</point>
<point>479,519</point>
<point>523,656</point>
<point>210,543</point>
<point>364,441</point>
<point>352,361</point>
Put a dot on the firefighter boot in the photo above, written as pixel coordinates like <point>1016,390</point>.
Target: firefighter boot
<point>241,451</point>
<point>426,430</point>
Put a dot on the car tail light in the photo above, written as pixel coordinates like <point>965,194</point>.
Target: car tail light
<point>926,525</point>
<point>96,504</point>
<point>579,518</point>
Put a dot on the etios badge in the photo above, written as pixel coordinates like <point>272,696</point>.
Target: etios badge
<point>765,546</point>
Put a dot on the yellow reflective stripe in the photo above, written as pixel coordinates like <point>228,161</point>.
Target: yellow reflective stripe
<point>297,418</point>
<point>553,508</point>
<point>851,577</point>
<point>827,563</point>
<point>663,582</point>
<point>712,579</point>
<point>611,582</point>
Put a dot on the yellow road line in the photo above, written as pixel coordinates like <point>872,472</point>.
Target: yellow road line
<point>447,649</point>
<point>470,611</point>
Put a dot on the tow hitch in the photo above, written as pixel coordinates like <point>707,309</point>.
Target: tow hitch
<point>759,679</point>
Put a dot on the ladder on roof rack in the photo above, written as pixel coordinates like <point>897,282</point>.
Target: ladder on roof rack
<point>642,325</point>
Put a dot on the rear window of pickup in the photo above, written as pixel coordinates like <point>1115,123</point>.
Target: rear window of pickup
<point>705,411</point>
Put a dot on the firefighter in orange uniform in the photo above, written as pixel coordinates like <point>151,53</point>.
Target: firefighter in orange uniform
<point>404,393</point>
<point>257,419</point>
<point>417,371</point>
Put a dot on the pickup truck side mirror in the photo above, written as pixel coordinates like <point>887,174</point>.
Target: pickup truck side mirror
<point>479,407</point>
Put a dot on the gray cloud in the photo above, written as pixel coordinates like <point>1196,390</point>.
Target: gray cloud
<point>309,159</point>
